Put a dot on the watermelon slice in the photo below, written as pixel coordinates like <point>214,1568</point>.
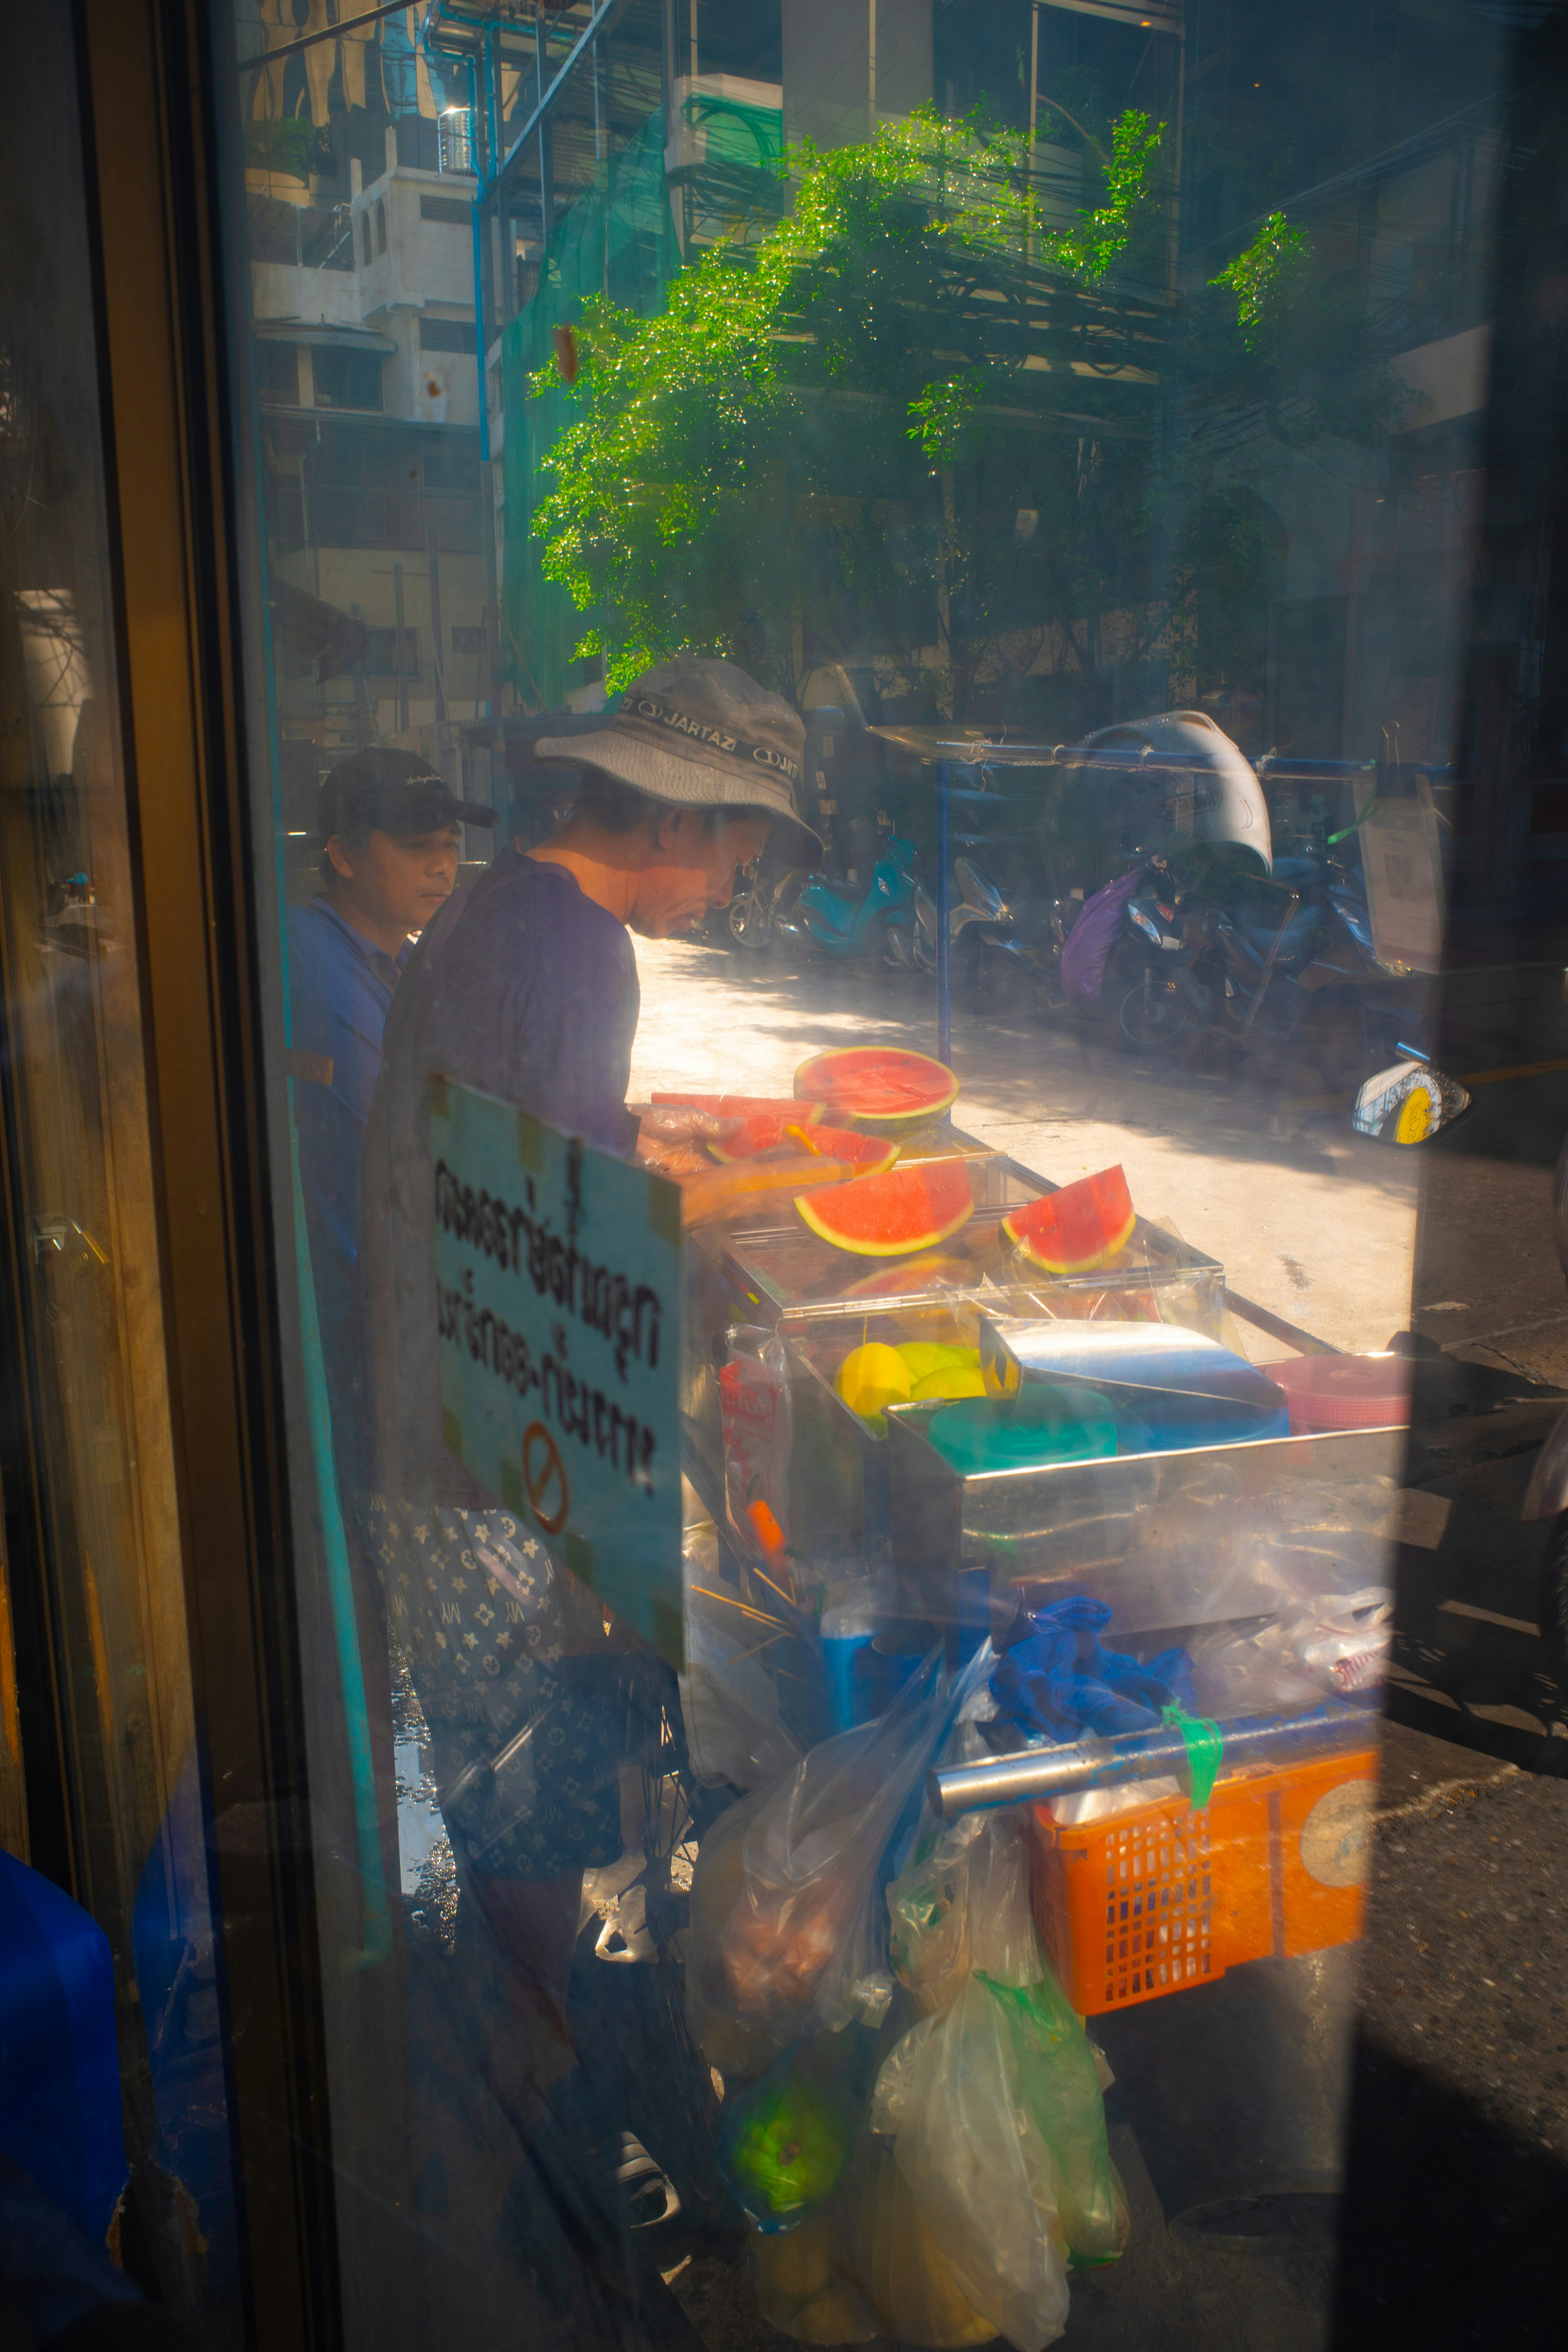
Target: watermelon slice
<point>1083,1226</point>
<point>885,1216</point>
<point>877,1082</point>
<point>799,1114</point>
<point>928,1272</point>
<point>766,1130</point>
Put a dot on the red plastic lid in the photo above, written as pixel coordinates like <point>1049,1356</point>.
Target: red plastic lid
<point>1344,1391</point>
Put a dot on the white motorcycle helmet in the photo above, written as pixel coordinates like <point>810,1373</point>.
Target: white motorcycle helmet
<point>1208,793</point>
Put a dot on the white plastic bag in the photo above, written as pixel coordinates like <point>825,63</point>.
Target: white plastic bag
<point>1328,1645</point>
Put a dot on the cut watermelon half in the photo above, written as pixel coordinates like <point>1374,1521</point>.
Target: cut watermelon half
<point>767,1130</point>
<point>1082,1226</point>
<point>888,1216</point>
<point>877,1082</point>
<point>799,1114</point>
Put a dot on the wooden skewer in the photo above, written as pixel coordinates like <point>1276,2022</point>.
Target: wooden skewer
<point>746,1608</point>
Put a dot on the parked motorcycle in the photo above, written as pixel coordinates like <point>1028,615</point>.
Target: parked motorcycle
<point>1003,951</point>
<point>1280,966</point>
<point>856,921</point>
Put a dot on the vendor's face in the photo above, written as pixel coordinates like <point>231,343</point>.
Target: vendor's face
<point>399,879</point>
<point>690,869</point>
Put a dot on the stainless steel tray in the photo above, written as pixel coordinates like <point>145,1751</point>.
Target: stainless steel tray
<point>1167,1539</point>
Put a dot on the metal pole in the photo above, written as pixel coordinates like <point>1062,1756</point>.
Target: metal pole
<point>943,945</point>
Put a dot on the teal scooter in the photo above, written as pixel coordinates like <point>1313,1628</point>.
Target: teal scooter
<point>853,920</point>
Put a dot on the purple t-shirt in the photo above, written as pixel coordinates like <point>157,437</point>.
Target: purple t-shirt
<point>525,988</point>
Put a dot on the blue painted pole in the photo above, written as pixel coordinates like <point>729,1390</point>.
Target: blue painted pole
<point>479,328</point>
<point>944,903</point>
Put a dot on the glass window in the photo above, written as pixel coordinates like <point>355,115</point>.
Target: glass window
<point>115,2099</point>
<point>862,754</point>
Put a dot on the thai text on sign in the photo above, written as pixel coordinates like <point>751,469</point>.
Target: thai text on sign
<point>558,1306</point>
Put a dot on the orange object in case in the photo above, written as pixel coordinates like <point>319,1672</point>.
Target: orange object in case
<point>1152,1901</point>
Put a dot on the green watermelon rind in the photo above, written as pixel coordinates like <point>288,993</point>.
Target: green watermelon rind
<point>929,1107</point>
<point>812,1207</point>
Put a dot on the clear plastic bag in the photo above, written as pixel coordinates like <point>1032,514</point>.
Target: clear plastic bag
<point>728,1701</point>
<point>994,2102</point>
<point>1332,1645</point>
<point>758,1426</point>
<point>802,1944</point>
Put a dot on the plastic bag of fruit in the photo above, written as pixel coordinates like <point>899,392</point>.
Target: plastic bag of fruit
<point>798,1940</point>
<point>994,2103</point>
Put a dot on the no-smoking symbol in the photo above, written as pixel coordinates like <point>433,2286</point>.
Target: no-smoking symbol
<point>544,1478</point>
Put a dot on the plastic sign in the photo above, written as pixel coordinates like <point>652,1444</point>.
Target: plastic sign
<point>558,1299</point>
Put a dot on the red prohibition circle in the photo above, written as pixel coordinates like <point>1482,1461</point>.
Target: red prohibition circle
<point>542,1464</point>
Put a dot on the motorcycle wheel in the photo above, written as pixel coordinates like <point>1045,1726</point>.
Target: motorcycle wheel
<point>1149,1016</point>
<point>1552,1603</point>
<point>749,929</point>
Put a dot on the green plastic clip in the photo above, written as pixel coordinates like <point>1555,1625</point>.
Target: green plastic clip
<point>1204,1744</point>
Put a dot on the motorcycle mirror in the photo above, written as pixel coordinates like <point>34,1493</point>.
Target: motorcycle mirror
<point>1408,1103</point>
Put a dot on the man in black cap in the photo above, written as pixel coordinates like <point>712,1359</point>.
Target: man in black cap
<point>387,826</point>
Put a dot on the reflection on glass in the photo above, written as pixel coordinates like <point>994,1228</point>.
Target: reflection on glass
<point>99,1781</point>
<point>873,545</point>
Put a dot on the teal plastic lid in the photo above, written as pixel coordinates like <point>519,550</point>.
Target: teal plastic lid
<point>1049,1421</point>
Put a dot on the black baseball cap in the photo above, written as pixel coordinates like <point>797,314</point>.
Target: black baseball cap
<point>392,791</point>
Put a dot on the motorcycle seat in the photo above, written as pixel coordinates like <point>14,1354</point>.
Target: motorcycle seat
<point>1301,933</point>
<point>852,893</point>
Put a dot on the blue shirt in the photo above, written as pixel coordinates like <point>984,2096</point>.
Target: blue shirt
<point>526,989</point>
<point>340,990</point>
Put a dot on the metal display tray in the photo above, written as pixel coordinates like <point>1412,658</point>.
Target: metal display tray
<point>1168,1540</point>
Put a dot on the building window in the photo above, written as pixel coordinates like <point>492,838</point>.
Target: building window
<point>379,658</point>
<point>448,335</point>
<point>277,374</point>
<point>468,644</point>
<point>450,212</point>
<point>364,236</point>
<point>381,225</point>
<point>347,379</point>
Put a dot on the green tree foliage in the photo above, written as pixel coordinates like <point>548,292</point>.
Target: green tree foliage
<point>718,444</point>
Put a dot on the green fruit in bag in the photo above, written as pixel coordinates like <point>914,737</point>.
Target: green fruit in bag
<point>787,2148</point>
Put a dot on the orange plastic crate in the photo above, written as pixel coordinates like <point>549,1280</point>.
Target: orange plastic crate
<point>1151,1902</point>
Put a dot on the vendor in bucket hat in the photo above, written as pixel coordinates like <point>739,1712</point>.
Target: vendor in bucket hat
<point>699,733</point>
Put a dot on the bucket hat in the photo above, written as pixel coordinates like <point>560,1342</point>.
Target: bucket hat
<point>699,734</point>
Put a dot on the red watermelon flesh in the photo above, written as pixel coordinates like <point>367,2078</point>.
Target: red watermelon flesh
<point>877,1082</point>
<point>902,1209</point>
<point>1083,1226</point>
<point>784,1107</point>
<point>770,1131</point>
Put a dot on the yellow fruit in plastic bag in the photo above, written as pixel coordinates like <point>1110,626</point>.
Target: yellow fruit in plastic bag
<point>873,1377</point>
<point>801,2288</point>
<point>896,2262</point>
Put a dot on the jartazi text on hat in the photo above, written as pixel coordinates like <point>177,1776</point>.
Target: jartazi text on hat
<point>643,706</point>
